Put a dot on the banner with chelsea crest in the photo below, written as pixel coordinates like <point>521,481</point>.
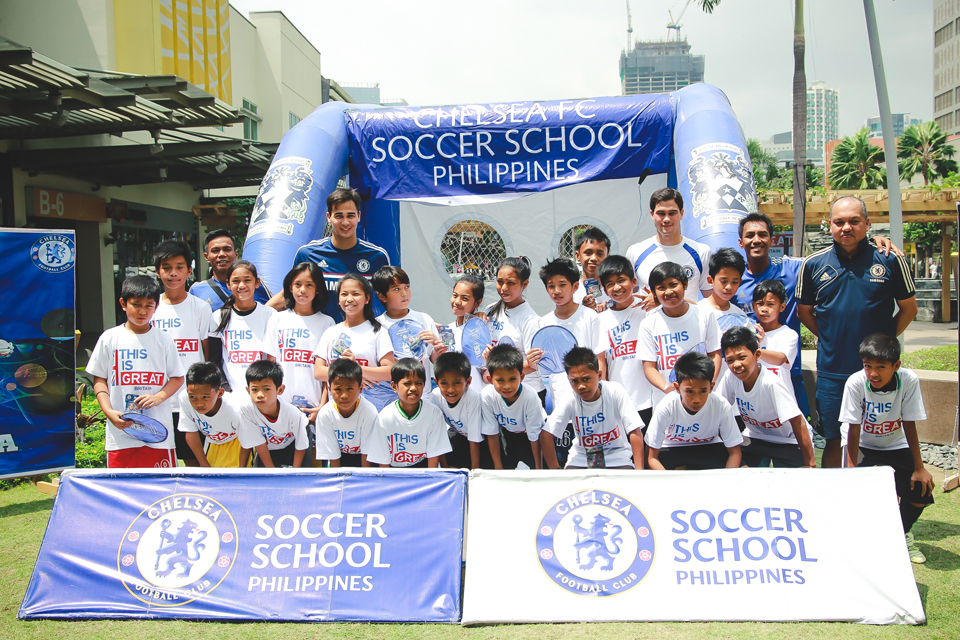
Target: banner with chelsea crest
<point>295,545</point>
<point>37,363</point>
<point>744,544</point>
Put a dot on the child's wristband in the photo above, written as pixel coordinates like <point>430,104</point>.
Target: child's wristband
<point>106,392</point>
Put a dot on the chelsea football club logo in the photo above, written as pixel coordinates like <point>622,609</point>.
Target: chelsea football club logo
<point>177,550</point>
<point>284,195</point>
<point>54,253</point>
<point>721,179</point>
<point>877,271</point>
<point>363,266</point>
<point>595,543</point>
<point>689,272</point>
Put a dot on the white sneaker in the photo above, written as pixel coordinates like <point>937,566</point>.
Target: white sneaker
<point>916,556</point>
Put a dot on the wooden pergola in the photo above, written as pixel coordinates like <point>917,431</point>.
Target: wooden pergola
<point>919,205</point>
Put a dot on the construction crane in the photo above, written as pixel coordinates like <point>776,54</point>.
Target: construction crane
<point>675,24</point>
<point>629,29</point>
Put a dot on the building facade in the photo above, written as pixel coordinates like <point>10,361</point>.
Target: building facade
<point>946,65</point>
<point>900,122</point>
<point>823,120</point>
<point>659,67</point>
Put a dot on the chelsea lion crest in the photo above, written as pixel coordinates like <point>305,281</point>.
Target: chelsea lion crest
<point>177,550</point>
<point>54,253</point>
<point>595,543</point>
<point>284,195</point>
<point>721,179</point>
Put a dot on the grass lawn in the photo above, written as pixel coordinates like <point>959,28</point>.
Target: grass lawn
<point>24,513</point>
<point>932,359</point>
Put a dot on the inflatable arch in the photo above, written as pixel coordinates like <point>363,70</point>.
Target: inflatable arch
<point>414,166</point>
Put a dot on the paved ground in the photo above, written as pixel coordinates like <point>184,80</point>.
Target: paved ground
<point>920,335</point>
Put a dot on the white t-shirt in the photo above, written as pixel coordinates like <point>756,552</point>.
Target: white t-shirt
<point>220,428</point>
<point>403,351</point>
<point>256,428</point>
<point>689,254</point>
<point>242,342</point>
<point>349,434</point>
<point>291,339</point>
<point>368,347</point>
<point>188,324</point>
<point>520,324</point>
<point>583,325</point>
<point>525,414</point>
<point>136,364</point>
<point>403,441</point>
<point>617,335</point>
<point>767,409</point>
<point>732,316</point>
<point>581,293</point>
<point>881,413</point>
<point>664,339</point>
<point>465,417</point>
<point>673,426</point>
<point>607,421</point>
<point>785,341</point>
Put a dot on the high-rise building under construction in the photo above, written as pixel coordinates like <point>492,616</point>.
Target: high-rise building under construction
<point>658,67</point>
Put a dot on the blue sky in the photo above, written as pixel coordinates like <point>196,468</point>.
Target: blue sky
<point>451,52</point>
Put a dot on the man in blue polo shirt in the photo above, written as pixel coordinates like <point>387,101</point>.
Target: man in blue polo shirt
<point>220,252</point>
<point>756,236</point>
<point>342,252</point>
<point>845,293</point>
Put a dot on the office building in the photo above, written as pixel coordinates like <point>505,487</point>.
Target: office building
<point>659,67</point>
<point>946,65</point>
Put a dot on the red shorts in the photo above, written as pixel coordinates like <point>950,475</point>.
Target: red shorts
<point>141,458</point>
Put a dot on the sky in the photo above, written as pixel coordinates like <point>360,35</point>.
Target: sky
<point>452,52</point>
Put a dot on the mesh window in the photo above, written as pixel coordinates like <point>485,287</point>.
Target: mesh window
<point>472,247</point>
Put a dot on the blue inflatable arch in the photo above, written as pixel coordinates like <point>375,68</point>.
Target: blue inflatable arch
<point>475,153</point>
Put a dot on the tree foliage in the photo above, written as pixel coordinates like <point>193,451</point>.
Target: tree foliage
<point>857,164</point>
<point>923,150</point>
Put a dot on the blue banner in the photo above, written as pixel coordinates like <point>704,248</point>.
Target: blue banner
<point>309,546</point>
<point>37,363</point>
<point>508,147</point>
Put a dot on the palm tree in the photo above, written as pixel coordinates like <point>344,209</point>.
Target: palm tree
<point>764,163</point>
<point>923,149</point>
<point>857,164</point>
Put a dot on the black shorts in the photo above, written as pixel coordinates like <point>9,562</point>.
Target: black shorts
<point>902,462</point>
<point>279,457</point>
<point>562,445</point>
<point>694,457</point>
<point>351,460</point>
<point>646,415</point>
<point>760,453</point>
<point>184,452</point>
<point>515,448</point>
<point>459,458</point>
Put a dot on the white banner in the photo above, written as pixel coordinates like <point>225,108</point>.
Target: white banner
<point>746,544</point>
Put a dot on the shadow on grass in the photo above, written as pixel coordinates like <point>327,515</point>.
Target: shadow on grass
<point>923,589</point>
<point>21,508</point>
<point>936,530</point>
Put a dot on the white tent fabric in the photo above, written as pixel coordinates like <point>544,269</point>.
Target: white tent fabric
<point>531,226</point>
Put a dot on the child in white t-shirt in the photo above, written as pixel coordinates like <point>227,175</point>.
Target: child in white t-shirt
<point>618,330</point>
<point>780,344</point>
<point>561,279</point>
<point>513,410</point>
<point>136,369</point>
<point>460,406</point>
<point>777,430</point>
<point>361,338</point>
<point>240,324</point>
<point>392,286</point>
<point>726,273</point>
<point>293,334</point>
<point>465,299</point>
<point>605,422</point>
<point>273,427</point>
<point>185,318</point>
<point>693,428</point>
<point>207,410</point>
<point>412,432</point>
<point>593,247</point>
<point>347,423</point>
<point>674,328</point>
<point>880,408</point>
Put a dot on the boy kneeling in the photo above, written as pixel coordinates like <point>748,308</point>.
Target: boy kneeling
<point>880,407</point>
<point>694,429</point>
<point>605,421</point>
<point>270,425</point>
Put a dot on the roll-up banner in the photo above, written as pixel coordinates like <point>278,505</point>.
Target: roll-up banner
<point>743,544</point>
<point>507,148</point>
<point>291,545</point>
<point>37,362</point>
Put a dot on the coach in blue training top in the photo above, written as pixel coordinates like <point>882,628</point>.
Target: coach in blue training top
<point>845,293</point>
<point>220,252</point>
<point>342,252</point>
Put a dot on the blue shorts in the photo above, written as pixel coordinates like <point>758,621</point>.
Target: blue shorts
<point>829,399</point>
